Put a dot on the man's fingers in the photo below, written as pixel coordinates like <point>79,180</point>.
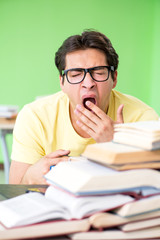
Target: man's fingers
<point>56,157</point>
<point>97,111</point>
<point>120,114</point>
<point>54,161</point>
<point>58,153</point>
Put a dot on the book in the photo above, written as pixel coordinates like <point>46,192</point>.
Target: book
<point>129,166</point>
<point>62,227</point>
<point>105,220</point>
<point>144,205</point>
<point>122,157</point>
<point>8,111</point>
<point>45,229</point>
<point>34,207</point>
<point>144,135</point>
<point>134,226</point>
<point>115,234</point>
<point>88,178</point>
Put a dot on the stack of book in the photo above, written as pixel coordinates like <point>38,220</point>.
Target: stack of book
<point>135,145</point>
<point>8,111</point>
<point>111,192</point>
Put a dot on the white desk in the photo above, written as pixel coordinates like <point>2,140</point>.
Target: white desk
<point>6,127</point>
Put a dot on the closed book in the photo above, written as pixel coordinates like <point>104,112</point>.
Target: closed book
<point>144,135</point>
<point>110,219</point>
<point>115,234</point>
<point>144,205</point>
<point>44,230</point>
<point>122,157</point>
<point>144,224</point>
<point>8,111</point>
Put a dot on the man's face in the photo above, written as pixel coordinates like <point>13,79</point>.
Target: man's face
<point>88,88</point>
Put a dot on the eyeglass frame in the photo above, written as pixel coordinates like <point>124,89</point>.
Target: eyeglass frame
<point>88,70</point>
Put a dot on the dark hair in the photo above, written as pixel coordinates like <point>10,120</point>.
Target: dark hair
<point>88,39</point>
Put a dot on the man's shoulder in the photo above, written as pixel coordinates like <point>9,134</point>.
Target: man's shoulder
<point>127,99</point>
<point>47,102</point>
<point>45,106</point>
<point>134,108</point>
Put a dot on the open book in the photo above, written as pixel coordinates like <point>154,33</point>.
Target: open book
<point>34,207</point>
<point>140,134</point>
<point>85,177</point>
<point>61,227</point>
<point>122,157</point>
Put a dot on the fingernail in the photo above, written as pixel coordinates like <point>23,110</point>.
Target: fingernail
<point>79,107</point>
<point>78,123</point>
<point>75,111</point>
<point>88,103</point>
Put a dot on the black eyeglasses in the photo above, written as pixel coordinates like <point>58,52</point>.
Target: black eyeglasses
<point>98,74</point>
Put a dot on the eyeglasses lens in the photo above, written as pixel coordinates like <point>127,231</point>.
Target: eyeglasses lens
<point>77,75</point>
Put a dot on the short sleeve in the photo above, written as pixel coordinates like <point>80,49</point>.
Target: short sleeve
<point>28,137</point>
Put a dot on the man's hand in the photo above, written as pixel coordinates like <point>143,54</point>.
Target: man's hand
<point>96,123</point>
<point>33,174</point>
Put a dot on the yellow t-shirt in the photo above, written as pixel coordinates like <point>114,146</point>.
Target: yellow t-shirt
<point>44,125</point>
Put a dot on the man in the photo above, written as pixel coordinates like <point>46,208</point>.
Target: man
<point>84,112</point>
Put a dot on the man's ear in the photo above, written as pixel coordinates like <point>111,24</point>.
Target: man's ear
<point>61,82</point>
<point>115,79</point>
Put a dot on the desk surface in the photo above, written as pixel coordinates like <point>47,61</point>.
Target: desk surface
<point>13,190</point>
<point>7,124</point>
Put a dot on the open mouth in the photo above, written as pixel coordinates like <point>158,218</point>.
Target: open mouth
<point>88,99</point>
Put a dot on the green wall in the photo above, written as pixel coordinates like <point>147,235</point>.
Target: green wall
<point>32,30</point>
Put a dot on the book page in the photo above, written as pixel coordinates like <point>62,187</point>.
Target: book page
<point>27,208</point>
<point>146,126</point>
<point>80,207</point>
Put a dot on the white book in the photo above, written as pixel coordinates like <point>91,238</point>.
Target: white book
<point>8,108</point>
<point>86,177</point>
<point>144,205</point>
<point>34,207</point>
<point>144,224</point>
<point>122,157</point>
<point>114,234</point>
<point>8,111</point>
<point>144,135</point>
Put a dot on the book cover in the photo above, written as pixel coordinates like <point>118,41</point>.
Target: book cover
<point>89,178</point>
<point>118,155</point>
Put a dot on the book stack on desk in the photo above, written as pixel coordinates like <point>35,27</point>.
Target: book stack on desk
<point>111,192</point>
<point>86,201</point>
<point>8,111</point>
<point>136,148</point>
<point>138,219</point>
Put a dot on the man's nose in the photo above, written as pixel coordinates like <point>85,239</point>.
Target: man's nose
<point>88,81</point>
